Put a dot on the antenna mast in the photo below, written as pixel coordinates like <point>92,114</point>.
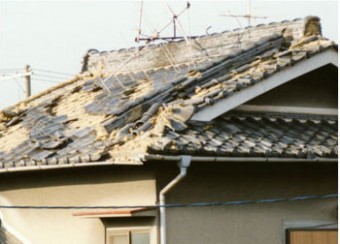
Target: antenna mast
<point>156,36</point>
<point>248,16</point>
<point>140,22</point>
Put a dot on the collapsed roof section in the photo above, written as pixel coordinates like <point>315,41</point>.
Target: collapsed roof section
<point>131,102</point>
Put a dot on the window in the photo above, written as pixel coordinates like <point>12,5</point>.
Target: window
<point>132,230</point>
<point>128,236</point>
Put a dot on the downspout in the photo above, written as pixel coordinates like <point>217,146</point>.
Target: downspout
<point>183,164</point>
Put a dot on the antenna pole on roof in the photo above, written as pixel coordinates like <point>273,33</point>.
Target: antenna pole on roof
<point>27,81</point>
<point>140,22</point>
<point>174,21</point>
<point>248,16</point>
<point>249,13</point>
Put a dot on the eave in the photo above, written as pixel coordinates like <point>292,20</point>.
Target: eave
<point>240,159</point>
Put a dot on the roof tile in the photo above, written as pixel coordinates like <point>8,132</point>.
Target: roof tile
<point>239,139</point>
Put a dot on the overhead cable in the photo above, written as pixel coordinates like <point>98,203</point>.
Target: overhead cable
<point>53,72</point>
<point>181,205</point>
<point>49,76</point>
<point>48,81</point>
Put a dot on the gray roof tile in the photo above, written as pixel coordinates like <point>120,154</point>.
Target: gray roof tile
<point>234,136</point>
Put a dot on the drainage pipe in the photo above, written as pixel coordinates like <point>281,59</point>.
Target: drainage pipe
<point>183,164</point>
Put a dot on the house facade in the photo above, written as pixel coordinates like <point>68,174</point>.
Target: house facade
<point>227,138</point>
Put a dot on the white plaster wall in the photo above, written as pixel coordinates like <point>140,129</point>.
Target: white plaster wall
<point>84,188</point>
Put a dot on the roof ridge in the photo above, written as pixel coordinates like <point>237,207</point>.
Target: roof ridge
<point>235,30</point>
<point>201,47</point>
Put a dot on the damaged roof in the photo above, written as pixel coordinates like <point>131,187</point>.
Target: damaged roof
<point>132,102</point>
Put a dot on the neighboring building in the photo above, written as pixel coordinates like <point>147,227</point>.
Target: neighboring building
<point>244,115</point>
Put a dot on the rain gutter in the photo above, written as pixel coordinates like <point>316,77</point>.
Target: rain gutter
<point>62,166</point>
<point>169,158</point>
<point>240,159</point>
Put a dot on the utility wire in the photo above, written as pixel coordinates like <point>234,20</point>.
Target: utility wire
<point>181,205</point>
<point>48,81</point>
<point>53,72</point>
<point>45,80</point>
<point>19,85</point>
<point>12,69</point>
<point>49,76</point>
<point>37,70</point>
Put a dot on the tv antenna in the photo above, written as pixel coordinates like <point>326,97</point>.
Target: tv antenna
<point>248,16</point>
<point>156,36</point>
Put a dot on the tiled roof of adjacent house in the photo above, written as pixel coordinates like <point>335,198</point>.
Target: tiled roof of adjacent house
<point>253,136</point>
<point>127,103</point>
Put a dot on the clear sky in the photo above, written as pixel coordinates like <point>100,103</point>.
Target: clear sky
<point>54,35</point>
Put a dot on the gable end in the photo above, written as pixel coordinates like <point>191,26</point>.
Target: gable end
<point>224,105</point>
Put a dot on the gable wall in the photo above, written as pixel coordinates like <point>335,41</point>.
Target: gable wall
<point>315,89</point>
<point>253,223</point>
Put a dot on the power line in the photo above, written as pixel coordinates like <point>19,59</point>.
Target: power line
<point>49,76</point>
<point>57,73</point>
<point>15,75</point>
<point>181,205</point>
<point>12,69</point>
<point>19,85</point>
<point>64,77</point>
<point>49,81</point>
<point>53,72</point>
<point>42,78</point>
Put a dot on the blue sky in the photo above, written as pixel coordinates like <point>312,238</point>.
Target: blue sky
<point>54,35</point>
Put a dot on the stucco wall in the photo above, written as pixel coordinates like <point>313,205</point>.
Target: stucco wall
<point>206,182</point>
<point>255,223</point>
<point>92,186</point>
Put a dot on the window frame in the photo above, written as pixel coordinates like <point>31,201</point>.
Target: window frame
<point>129,224</point>
<point>113,231</point>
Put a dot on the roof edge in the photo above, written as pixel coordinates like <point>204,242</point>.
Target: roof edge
<point>151,157</point>
<point>278,78</point>
<point>173,158</point>
<point>63,166</point>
